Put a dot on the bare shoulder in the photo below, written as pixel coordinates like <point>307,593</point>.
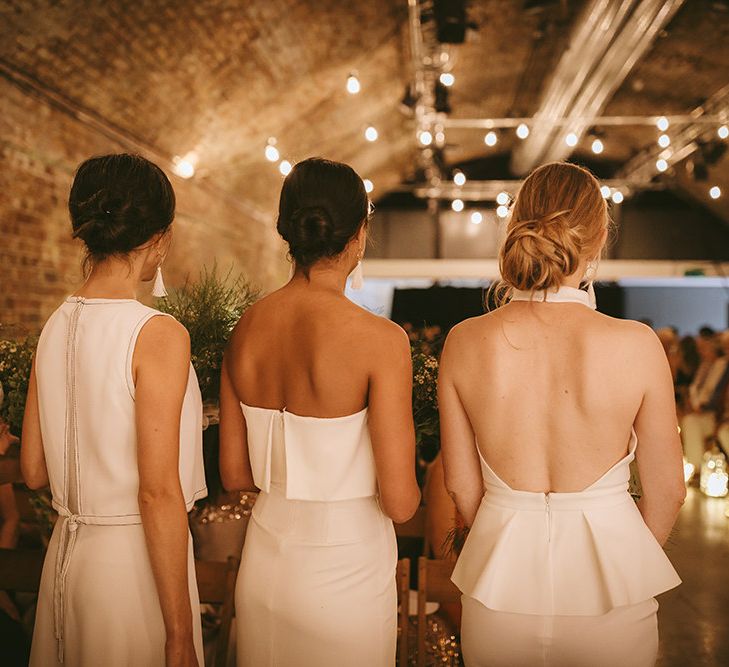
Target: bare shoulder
<point>463,334</point>
<point>162,331</point>
<point>637,339</point>
<point>381,333</point>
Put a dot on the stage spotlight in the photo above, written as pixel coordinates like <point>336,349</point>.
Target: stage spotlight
<point>502,198</point>
<point>490,138</point>
<point>271,151</point>
<point>285,167</point>
<point>522,131</point>
<point>715,192</point>
<point>597,147</point>
<point>662,123</point>
<point>457,205</point>
<point>353,86</point>
<point>371,133</point>
<point>476,218</point>
<point>502,211</point>
<point>571,139</point>
<point>617,197</point>
<point>459,178</point>
<point>447,79</point>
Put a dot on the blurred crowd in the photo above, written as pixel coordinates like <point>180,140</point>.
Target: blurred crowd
<point>700,368</point>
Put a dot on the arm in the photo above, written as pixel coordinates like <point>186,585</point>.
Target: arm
<point>659,454</point>
<point>463,477</point>
<point>235,466</point>
<point>391,425</point>
<point>161,366</point>
<point>32,459</point>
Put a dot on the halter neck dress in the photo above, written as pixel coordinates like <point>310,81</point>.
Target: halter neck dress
<point>98,602</point>
<point>561,578</point>
<point>316,586</point>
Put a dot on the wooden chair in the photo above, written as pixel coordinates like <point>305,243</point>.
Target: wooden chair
<point>403,618</point>
<point>216,585</point>
<point>20,570</point>
<point>434,585</point>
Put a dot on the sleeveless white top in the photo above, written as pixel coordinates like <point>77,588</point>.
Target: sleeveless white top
<point>311,458</point>
<point>574,554</point>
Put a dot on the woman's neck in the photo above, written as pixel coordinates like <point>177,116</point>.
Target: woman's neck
<point>330,278</point>
<point>111,279</point>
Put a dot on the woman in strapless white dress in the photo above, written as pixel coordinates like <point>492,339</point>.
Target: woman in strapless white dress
<point>315,412</point>
<point>113,423</point>
<point>544,403</point>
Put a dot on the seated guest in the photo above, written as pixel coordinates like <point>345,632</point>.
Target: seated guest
<point>688,364</point>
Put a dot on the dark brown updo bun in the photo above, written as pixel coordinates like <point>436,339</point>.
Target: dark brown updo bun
<point>323,205</point>
<point>119,202</point>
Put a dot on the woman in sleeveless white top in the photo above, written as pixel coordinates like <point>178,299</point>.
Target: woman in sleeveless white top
<point>316,586</point>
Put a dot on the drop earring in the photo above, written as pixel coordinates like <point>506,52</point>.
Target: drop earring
<point>159,290</point>
<point>589,277</point>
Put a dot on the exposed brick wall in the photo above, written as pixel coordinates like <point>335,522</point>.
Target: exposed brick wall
<point>40,146</point>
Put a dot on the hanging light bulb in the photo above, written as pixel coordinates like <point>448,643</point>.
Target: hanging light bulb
<point>664,141</point>
<point>522,130</point>
<point>459,178</point>
<point>371,133</point>
<point>723,132</point>
<point>490,138</point>
<point>571,139</point>
<point>502,211</point>
<point>425,138</point>
<point>476,218</point>
<point>597,147</point>
<point>272,154</point>
<point>440,137</point>
<point>369,186</point>
<point>605,191</point>
<point>662,123</point>
<point>185,166</point>
<point>285,167</point>
<point>661,164</point>
<point>457,205</point>
<point>617,197</point>
<point>353,86</point>
<point>447,79</point>
<point>502,198</point>
<point>715,192</point>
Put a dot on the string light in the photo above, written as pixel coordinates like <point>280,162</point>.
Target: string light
<point>661,164</point>
<point>723,132</point>
<point>522,131</point>
<point>617,197</point>
<point>371,133</point>
<point>447,79</point>
<point>571,139</point>
<point>476,218</point>
<point>440,137</point>
<point>425,138</point>
<point>502,198</point>
<point>459,178</point>
<point>272,154</point>
<point>662,123</point>
<point>715,192</point>
<point>664,141</point>
<point>457,205</point>
<point>369,185</point>
<point>353,86</point>
<point>605,191</point>
<point>284,167</point>
<point>597,147</point>
<point>490,138</point>
<point>502,211</point>
<point>185,166</point>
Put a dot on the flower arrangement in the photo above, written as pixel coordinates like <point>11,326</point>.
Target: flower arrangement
<point>425,405</point>
<point>16,357</point>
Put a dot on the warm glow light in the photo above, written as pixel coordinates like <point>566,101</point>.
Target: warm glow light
<point>688,471</point>
<point>717,484</point>
<point>605,191</point>
<point>369,186</point>
<point>284,167</point>
<point>617,197</point>
<point>425,138</point>
<point>522,131</point>
<point>353,86</point>
<point>459,178</point>
<point>502,198</point>
<point>447,79</point>
<point>440,137</point>
<point>371,133</point>
<point>476,218</point>
<point>490,138</point>
<point>457,205</point>
<point>597,147</point>
<point>272,154</point>
<point>715,192</point>
<point>664,141</point>
<point>662,123</point>
<point>723,132</point>
<point>661,164</point>
<point>185,166</point>
<point>502,211</point>
<point>571,139</point>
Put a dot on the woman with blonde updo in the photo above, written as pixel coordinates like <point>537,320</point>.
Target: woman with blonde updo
<point>544,403</point>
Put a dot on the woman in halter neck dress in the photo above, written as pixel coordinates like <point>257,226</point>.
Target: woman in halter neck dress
<point>544,402</point>
<point>113,423</point>
<point>316,413</point>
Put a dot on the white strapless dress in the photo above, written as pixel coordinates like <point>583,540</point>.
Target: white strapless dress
<point>316,585</point>
<point>564,579</point>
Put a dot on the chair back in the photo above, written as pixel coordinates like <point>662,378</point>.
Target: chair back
<point>20,570</point>
<point>434,585</point>
<point>216,585</point>
<point>403,617</point>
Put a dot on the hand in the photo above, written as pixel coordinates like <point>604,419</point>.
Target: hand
<point>180,653</point>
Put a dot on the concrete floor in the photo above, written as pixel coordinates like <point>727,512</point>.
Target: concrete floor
<point>694,618</point>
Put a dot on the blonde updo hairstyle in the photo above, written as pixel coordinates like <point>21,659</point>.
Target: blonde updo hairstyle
<point>559,220</point>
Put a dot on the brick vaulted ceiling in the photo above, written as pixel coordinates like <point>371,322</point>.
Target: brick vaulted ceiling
<point>221,76</point>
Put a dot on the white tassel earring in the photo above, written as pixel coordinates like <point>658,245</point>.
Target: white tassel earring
<point>357,275</point>
<point>159,290</point>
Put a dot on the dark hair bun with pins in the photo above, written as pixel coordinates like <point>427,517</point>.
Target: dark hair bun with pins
<point>118,203</point>
<point>323,204</point>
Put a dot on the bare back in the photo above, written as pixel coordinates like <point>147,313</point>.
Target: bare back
<point>551,390</point>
